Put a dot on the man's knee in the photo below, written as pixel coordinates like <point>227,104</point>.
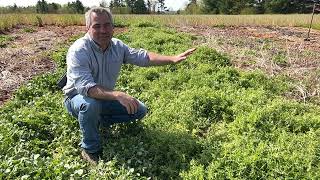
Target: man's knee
<point>90,105</point>
<point>142,110</point>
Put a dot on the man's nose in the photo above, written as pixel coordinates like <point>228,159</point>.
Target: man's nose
<point>103,29</point>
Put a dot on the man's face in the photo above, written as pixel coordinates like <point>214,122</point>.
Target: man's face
<point>101,29</point>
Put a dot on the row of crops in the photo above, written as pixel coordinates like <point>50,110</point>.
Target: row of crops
<point>207,120</point>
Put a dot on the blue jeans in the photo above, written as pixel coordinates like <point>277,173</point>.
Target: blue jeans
<point>92,112</point>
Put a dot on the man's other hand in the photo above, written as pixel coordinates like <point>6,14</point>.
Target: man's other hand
<point>183,55</point>
<point>159,60</point>
<point>127,101</point>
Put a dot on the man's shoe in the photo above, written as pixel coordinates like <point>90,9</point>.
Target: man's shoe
<point>92,158</point>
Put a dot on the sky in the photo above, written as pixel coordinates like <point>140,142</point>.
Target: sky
<point>172,4</point>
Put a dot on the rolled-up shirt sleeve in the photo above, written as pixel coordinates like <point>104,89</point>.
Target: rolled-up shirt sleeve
<point>79,71</point>
<point>137,57</point>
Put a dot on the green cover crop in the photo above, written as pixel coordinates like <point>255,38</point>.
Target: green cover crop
<point>207,120</point>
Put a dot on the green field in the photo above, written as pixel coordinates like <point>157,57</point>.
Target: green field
<point>207,120</point>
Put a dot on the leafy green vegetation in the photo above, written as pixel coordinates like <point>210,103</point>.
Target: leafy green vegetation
<point>206,120</point>
<point>28,30</point>
<point>4,39</point>
<point>280,59</point>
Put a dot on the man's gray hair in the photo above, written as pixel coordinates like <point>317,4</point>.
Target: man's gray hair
<point>97,10</point>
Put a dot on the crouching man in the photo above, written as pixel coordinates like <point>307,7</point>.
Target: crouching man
<point>93,66</point>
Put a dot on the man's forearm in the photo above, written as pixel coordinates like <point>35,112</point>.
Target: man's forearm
<point>130,103</point>
<point>158,60</point>
<point>99,92</point>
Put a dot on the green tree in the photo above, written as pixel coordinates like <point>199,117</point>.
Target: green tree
<point>42,7</point>
<point>288,6</point>
<point>76,7</point>
<point>79,7</point>
<point>116,3</point>
<point>232,6</point>
<point>193,8</point>
<point>211,6</point>
<point>259,6</point>
<point>139,7</point>
<point>53,7</point>
<point>130,4</point>
<point>276,6</point>
<point>118,7</point>
<point>14,8</point>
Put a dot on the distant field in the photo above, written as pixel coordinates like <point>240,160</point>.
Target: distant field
<point>8,21</point>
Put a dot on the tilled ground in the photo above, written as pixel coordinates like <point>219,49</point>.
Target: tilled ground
<point>274,50</point>
<point>26,55</point>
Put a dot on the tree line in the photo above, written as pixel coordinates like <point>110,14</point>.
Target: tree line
<point>76,7</point>
<point>250,6</point>
<point>136,6</point>
<point>44,7</point>
<point>193,7</point>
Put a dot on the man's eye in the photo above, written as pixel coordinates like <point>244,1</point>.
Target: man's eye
<point>108,25</point>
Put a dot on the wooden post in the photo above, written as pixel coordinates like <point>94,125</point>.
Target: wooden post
<point>314,7</point>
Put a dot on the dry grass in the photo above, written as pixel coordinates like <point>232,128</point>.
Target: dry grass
<point>234,20</point>
<point>8,21</point>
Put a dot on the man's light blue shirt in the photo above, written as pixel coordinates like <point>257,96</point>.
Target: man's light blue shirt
<point>88,65</point>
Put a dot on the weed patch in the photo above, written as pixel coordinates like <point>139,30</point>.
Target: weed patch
<point>28,30</point>
<point>4,40</point>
